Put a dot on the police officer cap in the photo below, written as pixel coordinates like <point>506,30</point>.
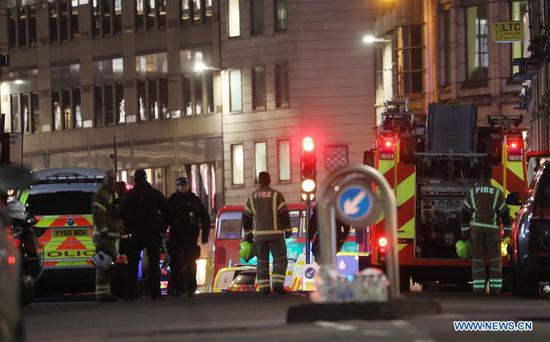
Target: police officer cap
<point>140,175</point>
<point>182,181</point>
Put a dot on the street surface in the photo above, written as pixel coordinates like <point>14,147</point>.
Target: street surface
<point>254,317</point>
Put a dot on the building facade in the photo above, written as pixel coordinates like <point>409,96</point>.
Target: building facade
<point>84,72</point>
<point>222,90</point>
<point>446,51</point>
<point>294,69</point>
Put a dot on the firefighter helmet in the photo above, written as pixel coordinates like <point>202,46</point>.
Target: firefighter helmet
<point>247,250</point>
<point>463,249</point>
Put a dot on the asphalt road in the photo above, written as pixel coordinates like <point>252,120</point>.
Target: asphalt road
<point>253,317</point>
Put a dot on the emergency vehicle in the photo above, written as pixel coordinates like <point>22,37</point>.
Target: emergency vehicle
<point>229,265</point>
<point>61,201</point>
<point>431,163</point>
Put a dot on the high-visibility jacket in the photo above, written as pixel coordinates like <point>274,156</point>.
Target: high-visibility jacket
<point>105,213</point>
<point>485,208</point>
<point>267,209</point>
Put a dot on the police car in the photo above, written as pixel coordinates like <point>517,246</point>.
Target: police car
<point>60,199</point>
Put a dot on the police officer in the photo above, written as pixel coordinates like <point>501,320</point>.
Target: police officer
<point>190,218</point>
<point>267,209</point>
<point>483,210</point>
<point>143,210</point>
<point>106,233</point>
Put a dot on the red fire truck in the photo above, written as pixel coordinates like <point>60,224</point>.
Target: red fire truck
<point>431,163</point>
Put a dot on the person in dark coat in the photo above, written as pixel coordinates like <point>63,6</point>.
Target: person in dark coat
<point>342,232</point>
<point>143,211</point>
<point>190,218</point>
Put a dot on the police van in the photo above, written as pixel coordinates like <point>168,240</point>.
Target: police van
<point>61,201</point>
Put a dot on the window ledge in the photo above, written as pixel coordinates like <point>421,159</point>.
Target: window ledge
<point>474,84</point>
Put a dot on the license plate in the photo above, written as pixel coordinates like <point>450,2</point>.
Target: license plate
<point>71,232</point>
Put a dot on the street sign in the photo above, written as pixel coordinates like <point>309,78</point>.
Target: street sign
<point>508,31</point>
<point>355,204</point>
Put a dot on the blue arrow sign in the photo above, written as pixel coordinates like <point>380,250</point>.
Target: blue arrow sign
<point>354,203</point>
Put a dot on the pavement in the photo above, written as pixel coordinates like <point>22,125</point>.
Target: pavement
<point>253,317</point>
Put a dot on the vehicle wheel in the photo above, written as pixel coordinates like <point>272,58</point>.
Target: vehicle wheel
<point>523,285</point>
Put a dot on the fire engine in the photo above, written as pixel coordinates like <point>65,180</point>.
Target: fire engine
<point>431,163</point>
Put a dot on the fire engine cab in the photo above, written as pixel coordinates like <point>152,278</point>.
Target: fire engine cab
<point>431,163</point>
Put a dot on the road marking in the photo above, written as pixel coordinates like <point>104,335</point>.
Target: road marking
<point>376,333</point>
<point>399,323</point>
<point>337,326</point>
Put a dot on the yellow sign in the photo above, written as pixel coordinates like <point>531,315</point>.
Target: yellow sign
<point>508,31</point>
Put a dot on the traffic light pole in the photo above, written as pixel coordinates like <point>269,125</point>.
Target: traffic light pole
<point>308,215</point>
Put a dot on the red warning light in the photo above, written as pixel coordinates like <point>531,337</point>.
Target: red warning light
<point>382,242</point>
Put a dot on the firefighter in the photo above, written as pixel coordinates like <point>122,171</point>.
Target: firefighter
<point>143,211</point>
<point>483,210</point>
<point>342,232</point>
<point>106,234</point>
<point>190,218</point>
<point>267,209</point>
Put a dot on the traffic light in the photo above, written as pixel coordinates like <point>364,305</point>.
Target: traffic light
<point>308,167</point>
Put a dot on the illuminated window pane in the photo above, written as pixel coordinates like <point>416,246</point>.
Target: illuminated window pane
<point>235,90</point>
<point>234,18</point>
<point>260,158</point>
<point>237,164</point>
<point>284,160</point>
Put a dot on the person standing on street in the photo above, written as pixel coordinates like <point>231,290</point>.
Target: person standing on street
<point>106,234</point>
<point>266,208</point>
<point>143,210</point>
<point>484,209</point>
<point>190,218</point>
<point>342,233</point>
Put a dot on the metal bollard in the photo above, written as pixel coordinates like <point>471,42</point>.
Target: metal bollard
<point>327,218</point>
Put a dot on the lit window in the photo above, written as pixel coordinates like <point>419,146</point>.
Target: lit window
<point>410,67</point>
<point>234,18</point>
<point>477,33</point>
<point>15,114</point>
<point>519,8</point>
<point>235,90</point>
<point>260,158</point>
<point>280,16</point>
<point>237,164</point>
<point>284,159</point>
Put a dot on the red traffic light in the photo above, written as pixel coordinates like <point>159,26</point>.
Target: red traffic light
<point>307,144</point>
<point>308,165</point>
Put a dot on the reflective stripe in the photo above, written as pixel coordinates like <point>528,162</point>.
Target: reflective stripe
<point>507,229</point>
<point>275,210</point>
<point>479,270</point>
<point>281,205</point>
<point>465,203</point>
<point>495,200</point>
<point>479,286</point>
<point>465,228</point>
<point>278,276</point>
<point>100,206</point>
<point>495,269</point>
<point>116,235</point>
<point>473,199</point>
<point>262,281</point>
<point>484,225</point>
<point>479,281</point>
<point>268,232</point>
<point>495,258</point>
